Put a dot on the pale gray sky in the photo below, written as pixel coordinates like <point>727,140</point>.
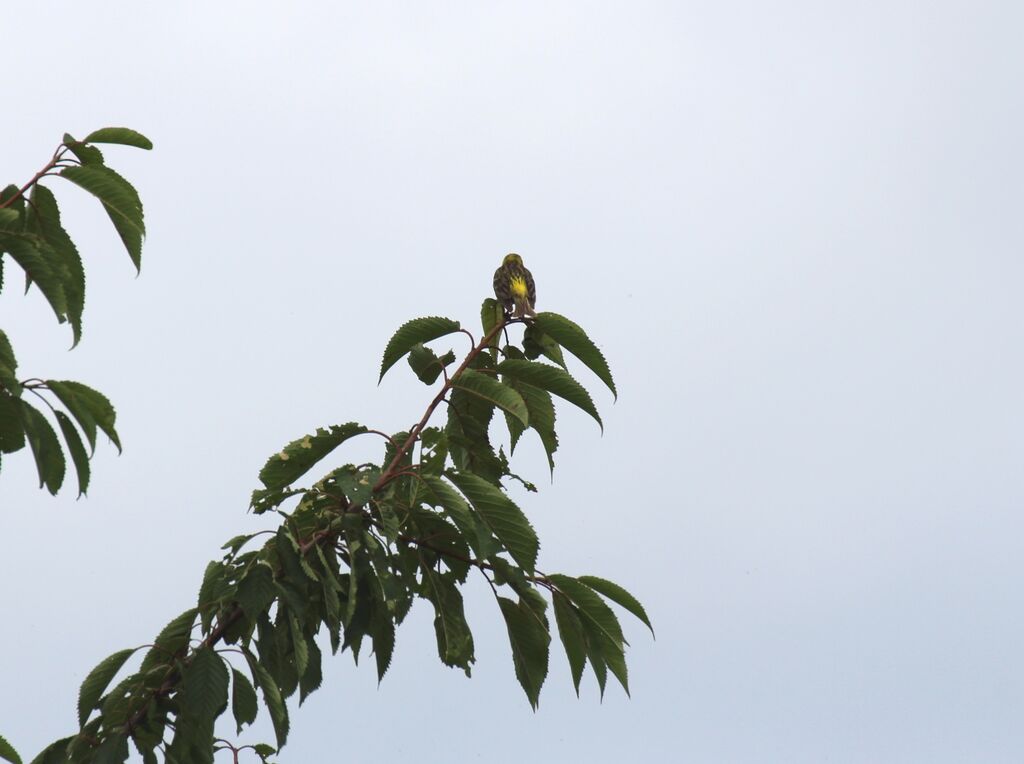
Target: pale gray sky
<point>794,228</point>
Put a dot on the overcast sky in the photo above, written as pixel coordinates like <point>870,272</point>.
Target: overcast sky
<point>794,228</point>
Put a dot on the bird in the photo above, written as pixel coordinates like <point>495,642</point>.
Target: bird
<point>513,285</point>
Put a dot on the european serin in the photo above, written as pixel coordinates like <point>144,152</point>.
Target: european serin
<point>513,285</point>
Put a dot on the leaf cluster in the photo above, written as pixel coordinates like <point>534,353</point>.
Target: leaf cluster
<point>33,238</point>
<point>353,550</point>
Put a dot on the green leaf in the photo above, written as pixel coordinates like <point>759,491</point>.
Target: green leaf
<point>271,697</point>
<point>530,640</point>
<point>476,534</point>
<point>89,407</point>
<point>295,459</point>
<point>491,314</point>
<point>256,591</point>
<point>571,337</point>
<point>412,333</point>
<point>113,750</point>
<point>542,418</point>
<point>96,682</point>
<point>536,343</point>
<point>617,594</point>
<point>493,391</point>
<point>356,483</point>
<point>45,448</point>
<point>204,692</point>
<point>44,220</point>
<point>570,630</point>
<point>120,200</point>
<point>554,380</point>
<point>54,753</point>
<point>592,608</point>
<point>502,516</point>
<point>85,154</point>
<point>41,265</point>
<point>7,752</point>
<point>171,643</point>
<point>454,639</point>
<point>426,364</point>
<point>244,704</point>
<point>8,217</point>
<point>382,631</point>
<point>12,430</point>
<point>8,366</point>
<point>79,457</point>
<point>313,675</point>
<point>122,135</point>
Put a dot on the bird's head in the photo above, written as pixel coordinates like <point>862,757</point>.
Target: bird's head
<point>512,259</point>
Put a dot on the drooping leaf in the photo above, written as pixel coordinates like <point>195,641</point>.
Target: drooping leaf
<point>542,418</point>
<point>95,684</point>
<point>170,643</point>
<point>530,641</point>
<point>592,608</point>
<point>12,429</point>
<point>89,407</point>
<point>454,639</point>
<point>536,344</point>
<point>7,752</point>
<point>113,750</point>
<point>502,516</point>
<point>382,631</point>
<point>45,448</point>
<point>42,267</point>
<point>426,364</point>
<point>44,221</point>
<point>554,380</point>
<point>475,533</point>
<point>295,459</point>
<point>491,314</point>
<point>122,135</point>
<point>575,340</point>
<point>617,594</point>
<point>271,697</point>
<point>313,675</point>
<point>9,218</point>
<point>120,200</point>
<point>493,391</point>
<point>570,630</point>
<point>204,691</point>
<point>84,153</point>
<point>79,457</point>
<point>412,333</point>
<point>8,366</point>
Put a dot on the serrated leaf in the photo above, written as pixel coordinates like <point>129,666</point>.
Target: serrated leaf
<point>244,704</point>
<point>592,608</point>
<point>617,594</point>
<point>491,390</point>
<point>454,639</point>
<point>570,630</point>
<point>45,448</point>
<point>170,643</point>
<point>295,459</point>
<point>412,333</point>
<point>95,684</point>
<point>79,457</point>
<point>491,315</point>
<point>536,344</point>
<point>271,698</point>
<point>113,750</point>
<point>382,632</point>
<point>43,219</point>
<point>8,366</point>
<point>41,266</point>
<point>122,135</point>
<point>89,407</point>
<point>120,200</point>
<point>571,337</point>
<point>204,692</point>
<point>554,380</point>
<point>426,364</point>
<point>7,752</point>
<point>530,641</point>
<point>542,418</point>
<point>256,591</point>
<point>356,483</point>
<point>54,753</point>
<point>12,430</point>
<point>476,534</point>
<point>502,516</point>
<point>85,154</point>
<point>313,675</point>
